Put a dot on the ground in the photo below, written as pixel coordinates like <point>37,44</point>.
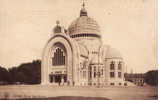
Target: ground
<point>112,93</point>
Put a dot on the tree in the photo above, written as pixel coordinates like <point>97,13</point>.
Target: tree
<point>151,78</point>
<point>4,75</point>
<point>12,74</point>
<point>27,73</point>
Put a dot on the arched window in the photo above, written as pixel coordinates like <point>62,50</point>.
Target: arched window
<point>90,71</point>
<point>102,71</point>
<point>119,74</point>
<point>59,57</point>
<point>112,74</point>
<point>120,66</point>
<point>95,72</point>
<point>112,65</point>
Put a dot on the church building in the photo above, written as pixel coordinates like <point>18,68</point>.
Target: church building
<point>77,56</point>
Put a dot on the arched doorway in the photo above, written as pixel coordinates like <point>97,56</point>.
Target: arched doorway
<point>64,42</point>
<point>59,64</point>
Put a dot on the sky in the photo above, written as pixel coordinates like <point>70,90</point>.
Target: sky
<point>131,26</point>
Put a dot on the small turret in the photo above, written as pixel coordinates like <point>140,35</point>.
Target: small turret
<point>58,28</point>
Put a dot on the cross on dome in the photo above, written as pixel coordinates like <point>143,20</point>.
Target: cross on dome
<point>83,5</point>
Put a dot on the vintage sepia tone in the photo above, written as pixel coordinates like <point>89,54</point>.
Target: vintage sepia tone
<point>78,57</point>
<point>78,50</point>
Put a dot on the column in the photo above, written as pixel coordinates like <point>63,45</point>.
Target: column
<point>53,79</point>
<point>115,71</point>
<point>62,79</point>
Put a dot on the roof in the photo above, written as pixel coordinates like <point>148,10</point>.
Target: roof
<point>84,25</point>
<point>135,75</point>
<point>113,53</point>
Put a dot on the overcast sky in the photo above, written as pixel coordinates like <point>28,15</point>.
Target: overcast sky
<point>131,26</point>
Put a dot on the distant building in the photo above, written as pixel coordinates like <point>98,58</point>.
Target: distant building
<point>137,78</point>
<point>77,56</point>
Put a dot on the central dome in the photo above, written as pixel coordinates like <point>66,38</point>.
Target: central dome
<point>84,26</point>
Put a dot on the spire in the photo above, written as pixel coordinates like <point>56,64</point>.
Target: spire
<point>83,5</point>
<point>83,11</point>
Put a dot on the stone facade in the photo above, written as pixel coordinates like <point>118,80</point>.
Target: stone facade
<point>78,57</point>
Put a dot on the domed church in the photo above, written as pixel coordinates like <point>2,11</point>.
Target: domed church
<point>77,56</point>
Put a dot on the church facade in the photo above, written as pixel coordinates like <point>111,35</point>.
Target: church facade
<point>78,57</point>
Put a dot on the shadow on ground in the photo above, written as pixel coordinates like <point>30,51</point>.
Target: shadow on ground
<point>63,98</point>
<point>154,96</point>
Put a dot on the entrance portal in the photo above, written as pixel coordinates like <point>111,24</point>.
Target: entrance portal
<point>58,78</point>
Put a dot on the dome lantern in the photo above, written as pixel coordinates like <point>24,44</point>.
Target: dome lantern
<point>84,26</point>
<point>83,11</point>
